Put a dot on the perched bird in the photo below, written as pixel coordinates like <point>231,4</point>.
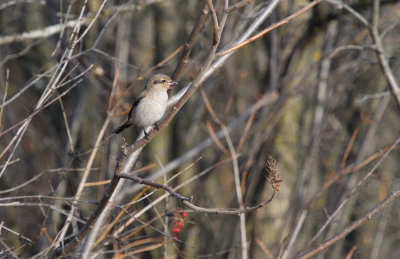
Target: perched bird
<point>151,104</point>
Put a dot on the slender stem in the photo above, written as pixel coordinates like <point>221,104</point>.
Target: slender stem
<point>155,185</point>
<point>352,226</point>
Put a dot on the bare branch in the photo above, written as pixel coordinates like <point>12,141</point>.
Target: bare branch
<point>352,226</point>
<point>220,211</point>
<point>352,192</point>
<point>155,185</point>
<point>383,62</point>
<point>4,98</point>
<point>189,44</point>
<point>270,28</point>
<point>15,2</point>
<point>238,5</point>
<point>41,33</point>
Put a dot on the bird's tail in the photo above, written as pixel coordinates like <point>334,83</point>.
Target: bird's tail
<point>126,124</point>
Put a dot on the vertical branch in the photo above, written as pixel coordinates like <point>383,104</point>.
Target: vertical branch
<point>215,22</point>
<point>81,186</point>
<point>50,87</point>
<point>383,62</point>
<point>4,97</point>
<point>238,191</point>
<point>104,205</point>
<point>70,141</point>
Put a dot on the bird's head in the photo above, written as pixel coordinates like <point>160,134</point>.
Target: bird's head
<point>160,81</point>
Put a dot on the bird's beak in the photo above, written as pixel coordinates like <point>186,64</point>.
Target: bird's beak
<point>170,85</point>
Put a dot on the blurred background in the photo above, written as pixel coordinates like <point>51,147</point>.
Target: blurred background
<point>312,94</point>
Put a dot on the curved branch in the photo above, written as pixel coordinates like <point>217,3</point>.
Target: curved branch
<point>228,211</point>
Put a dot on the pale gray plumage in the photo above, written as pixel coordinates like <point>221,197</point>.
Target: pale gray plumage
<point>150,105</point>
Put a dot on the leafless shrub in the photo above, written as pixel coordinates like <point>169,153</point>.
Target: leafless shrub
<point>313,83</point>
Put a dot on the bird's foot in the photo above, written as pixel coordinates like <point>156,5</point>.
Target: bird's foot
<point>146,135</point>
<point>156,126</point>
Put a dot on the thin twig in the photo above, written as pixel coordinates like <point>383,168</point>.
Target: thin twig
<point>215,138</point>
<point>131,151</point>
<point>268,29</point>
<point>189,44</point>
<point>15,2</point>
<point>41,33</point>
<point>336,175</point>
<point>190,90</point>
<point>265,100</point>
<point>373,28</point>
<point>35,112</point>
<point>70,141</point>
<point>4,97</point>
<point>153,203</point>
<point>24,124</point>
<point>352,226</point>
<point>383,62</point>
<point>352,192</point>
<point>349,9</point>
<point>92,21</point>
<point>236,6</point>
<point>155,185</point>
<point>49,90</point>
<point>59,170</point>
<point>215,22</point>
<point>64,248</point>
<point>238,192</point>
<point>15,233</point>
<point>30,84</point>
<point>220,211</point>
<point>83,179</point>
<point>120,214</point>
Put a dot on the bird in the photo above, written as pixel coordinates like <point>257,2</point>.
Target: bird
<point>150,105</point>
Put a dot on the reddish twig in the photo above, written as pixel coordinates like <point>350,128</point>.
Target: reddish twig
<point>270,28</point>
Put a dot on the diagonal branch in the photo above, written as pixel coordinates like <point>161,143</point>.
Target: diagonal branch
<point>383,62</point>
<point>189,44</point>
<point>238,6</point>
<point>352,226</point>
<point>130,154</point>
<point>40,33</point>
<point>269,28</point>
<point>155,185</point>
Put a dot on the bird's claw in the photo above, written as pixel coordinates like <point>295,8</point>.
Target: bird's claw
<point>146,135</point>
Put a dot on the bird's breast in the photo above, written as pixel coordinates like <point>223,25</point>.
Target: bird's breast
<point>150,109</point>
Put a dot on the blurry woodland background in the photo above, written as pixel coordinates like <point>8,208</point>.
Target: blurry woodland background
<point>317,94</point>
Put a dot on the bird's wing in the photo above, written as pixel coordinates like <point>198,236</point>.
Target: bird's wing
<point>140,97</point>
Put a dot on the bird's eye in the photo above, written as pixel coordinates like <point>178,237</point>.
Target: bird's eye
<point>163,80</point>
